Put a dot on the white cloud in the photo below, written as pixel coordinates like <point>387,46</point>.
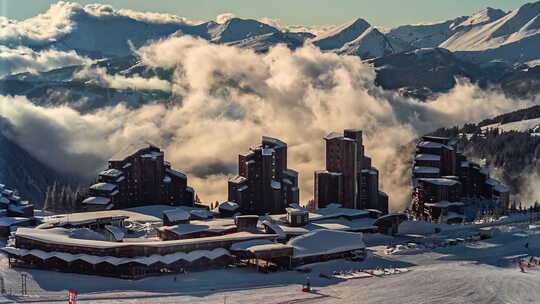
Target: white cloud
<point>228,98</point>
<point>22,59</point>
<point>61,19</point>
<point>222,18</point>
<point>99,76</point>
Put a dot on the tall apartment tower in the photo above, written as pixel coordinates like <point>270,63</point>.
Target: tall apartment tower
<point>349,178</point>
<point>264,184</point>
<point>140,178</point>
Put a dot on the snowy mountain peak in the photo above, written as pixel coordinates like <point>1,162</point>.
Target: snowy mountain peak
<point>485,16</point>
<point>236,29</point>
<point>371,43</point>
<point>339,36</point>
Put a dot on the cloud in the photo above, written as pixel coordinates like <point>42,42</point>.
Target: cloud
<point>222,18</point>
<point>227,98</point>
<point>23,59</point>
<point>99,76</point>
<point>62,18</point>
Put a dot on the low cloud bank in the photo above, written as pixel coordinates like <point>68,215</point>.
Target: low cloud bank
<point>226,98</point>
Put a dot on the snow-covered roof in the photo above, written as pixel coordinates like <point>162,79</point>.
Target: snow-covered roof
<point>238,179</point>
<point>492,181</point>
<point>229,206</point>
<point>116,232</point>
<point>152,154</point>
<point>97,200</point>
<point>501,188</point>
<point>296,211</point>
<point>216,226</point>
<point>278,143</point>
<point>62,236</point>
<point>268,151</point>
<point>268,247</point>
<point>244,246</point>
<point>16,208</point>
<point>430,157</point>
<point>371,171</point>
<point>319,242</point>
<point>453,215</point>
<point>202,213</point>
<point>176,173</point>
<point>338,224</point>
<point>276,185</point>
<point>440,181</point>
<point>433,145</point>
<point>176,215</point>
<point>4,200</point>
<point>444,204</point>
<point>334,135</point>
<point>421,169</point>
<point>9,221</point>
<point>103,187</point>
<point>290,172</point>
<point>7,192</point>
<point>93,259</point>
<point>112,173</point>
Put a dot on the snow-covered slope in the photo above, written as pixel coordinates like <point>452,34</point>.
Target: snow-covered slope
<point>485,16</point>
<point>433,34</point>
<point>19,170</point>
<point>236,29</point>
<point>528,125</point>
<point>425,35</point>
<point>371,43</point>
<point>262,43</point>
<point>514,37</point>
<point>339,36</point>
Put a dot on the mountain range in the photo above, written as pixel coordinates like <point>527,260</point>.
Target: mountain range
<point>491,48</point>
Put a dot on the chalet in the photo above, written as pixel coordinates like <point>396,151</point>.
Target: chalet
<point>442,174</point>
<point>13,211</point>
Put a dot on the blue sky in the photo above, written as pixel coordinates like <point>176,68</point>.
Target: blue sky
<point>386,13</point>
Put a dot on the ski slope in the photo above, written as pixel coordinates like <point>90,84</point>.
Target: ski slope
<point>479,272</point>
<point>519,126</point>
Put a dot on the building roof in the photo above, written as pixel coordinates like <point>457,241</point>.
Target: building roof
<point>176,215</point>
<point>112,173</point>
<point>428,157</point>
<point>97,200</point>
<point>92,259</point>
<point>338,136</point>
<point>276,185</point>
<point>319,242</point>
<point>244,246</point>
<point>117,232</point>
<point>63,237</point>
<point>268,151</point>
<point>433,145</point>
<point>10,221</point>
<point>215,226</point>
<point>229,206</point>
<point>176,173</point>
<point>103,187</point>
<point>444,204</point>
<point>237,179</point>
<point>339,224</point>
<point>278,143</point>
<point>440,181</point>
<point>426,170</point>
<point>290,172</point>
